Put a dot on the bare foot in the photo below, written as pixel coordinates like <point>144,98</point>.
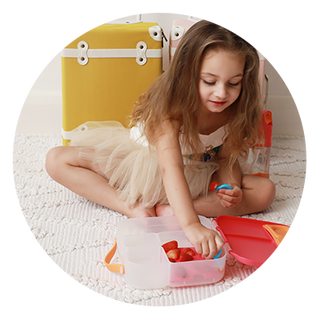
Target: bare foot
<point>140,211</point>
<point>164,210</point>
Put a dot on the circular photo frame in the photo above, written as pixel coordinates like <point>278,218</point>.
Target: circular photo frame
<point>75,235</point>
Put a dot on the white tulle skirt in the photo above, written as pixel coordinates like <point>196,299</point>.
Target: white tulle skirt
<point>131,167</point>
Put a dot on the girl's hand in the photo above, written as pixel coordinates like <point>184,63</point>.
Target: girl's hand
<point>230,198</point>
<point>207,242</point>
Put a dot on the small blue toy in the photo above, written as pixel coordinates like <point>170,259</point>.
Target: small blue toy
<point>223,186</point>
<point>214,186</point>
<point>217,256</point>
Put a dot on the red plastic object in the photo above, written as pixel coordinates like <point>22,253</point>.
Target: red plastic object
<point>249,240</point>
<point>213,185</point>
<point>267,127</point>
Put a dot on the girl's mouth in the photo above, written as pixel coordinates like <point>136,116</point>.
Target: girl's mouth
<point>218,103</point>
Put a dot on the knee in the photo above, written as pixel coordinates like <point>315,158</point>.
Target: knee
<point>53,161</point>
<point>268,192</point>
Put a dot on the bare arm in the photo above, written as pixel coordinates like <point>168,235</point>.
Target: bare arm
<point>224,173</point>
<point>233,177</point>
<point>172,170</point>
<point>206,242</point>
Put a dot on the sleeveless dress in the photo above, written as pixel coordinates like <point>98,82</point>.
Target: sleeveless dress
<point>124,157</point>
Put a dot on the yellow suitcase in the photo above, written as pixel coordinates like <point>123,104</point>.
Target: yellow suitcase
<point>105,70</point>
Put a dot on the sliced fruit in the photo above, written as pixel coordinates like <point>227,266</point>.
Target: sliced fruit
<point>173,254</point>
<point>170,246</point>
<point>185,257</point>
<point>188,251</point>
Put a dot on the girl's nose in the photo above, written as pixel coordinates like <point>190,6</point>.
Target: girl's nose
<point>221,91</point>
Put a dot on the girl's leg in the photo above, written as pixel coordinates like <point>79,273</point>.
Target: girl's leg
<point>66,167</point>
<point>258,194</point>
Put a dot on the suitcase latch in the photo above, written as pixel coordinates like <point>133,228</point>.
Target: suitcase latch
<point>141,53</point>
<point>83,53</point>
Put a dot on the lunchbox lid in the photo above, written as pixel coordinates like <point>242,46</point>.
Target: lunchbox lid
<point>251,241</point>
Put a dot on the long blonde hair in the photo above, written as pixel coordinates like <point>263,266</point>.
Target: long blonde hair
<point>175,96</point>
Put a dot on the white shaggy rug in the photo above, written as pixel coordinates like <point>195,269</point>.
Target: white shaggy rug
<point>77,233</point>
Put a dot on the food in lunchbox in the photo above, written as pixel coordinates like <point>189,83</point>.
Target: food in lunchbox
<point>170,246</point>
<point>176,254</point>
<point>188,251</point>
<point>180,255</point>
<point>173,255</point>
<point>185,257</point>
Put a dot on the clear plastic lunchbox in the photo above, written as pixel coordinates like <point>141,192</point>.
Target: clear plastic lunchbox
<point>145,264</point>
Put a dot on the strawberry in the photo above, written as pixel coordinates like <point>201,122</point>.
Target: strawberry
<point>173,254</point>
<point>185,257</point>
<point>188,251</point>
<point>170,246</point>
<point>213,185</point>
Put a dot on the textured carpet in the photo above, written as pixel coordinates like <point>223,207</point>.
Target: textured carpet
<point>77,233</point>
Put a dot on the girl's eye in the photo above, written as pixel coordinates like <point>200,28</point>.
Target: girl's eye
<point>208,82</point>
<point>213,83</point>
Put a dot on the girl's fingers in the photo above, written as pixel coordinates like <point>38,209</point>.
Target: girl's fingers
<point>228,198</point>
<point>219,242</point>
<point>213,249</point>
<point>231,193</point>
<point>224,193</point>
<point>228,204</point>
<point>205,249</point>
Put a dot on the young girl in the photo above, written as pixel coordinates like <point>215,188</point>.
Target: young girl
<point>190,127</point>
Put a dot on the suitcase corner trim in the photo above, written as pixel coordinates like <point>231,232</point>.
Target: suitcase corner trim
<point>66,135</point>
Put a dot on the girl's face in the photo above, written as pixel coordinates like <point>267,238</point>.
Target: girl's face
<point>220,80</point>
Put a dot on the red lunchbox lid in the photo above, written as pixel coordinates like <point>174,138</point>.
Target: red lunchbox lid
<point>251,241</point>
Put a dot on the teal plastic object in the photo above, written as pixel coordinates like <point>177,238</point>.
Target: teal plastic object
<point>217,256</point>
<point>223,186</point>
